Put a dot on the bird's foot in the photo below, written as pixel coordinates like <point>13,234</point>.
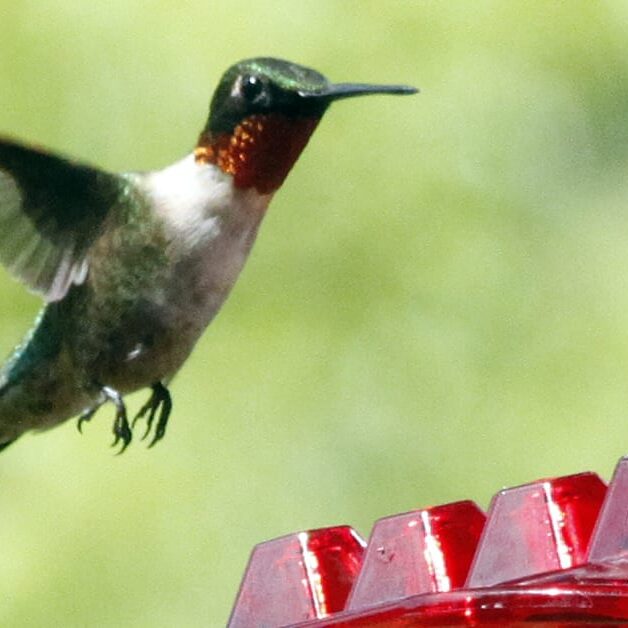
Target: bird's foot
<point>159,399</point>
<point>160,403</point>
<point>121,429</point>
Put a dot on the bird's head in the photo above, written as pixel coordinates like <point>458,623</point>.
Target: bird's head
<point>262,115</point>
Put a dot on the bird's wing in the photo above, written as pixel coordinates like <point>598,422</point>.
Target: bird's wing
<point>51,212</point>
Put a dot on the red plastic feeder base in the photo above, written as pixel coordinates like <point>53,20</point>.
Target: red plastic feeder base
<point>553,553</point>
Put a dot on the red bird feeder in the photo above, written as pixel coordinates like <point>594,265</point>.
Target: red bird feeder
<point>553,553</point>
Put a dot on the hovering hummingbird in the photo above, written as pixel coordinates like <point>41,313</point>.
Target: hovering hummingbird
<point>134,266</point>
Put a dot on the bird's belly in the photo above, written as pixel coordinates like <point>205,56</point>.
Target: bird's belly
<point>148,350</point>
<point>152,341</point>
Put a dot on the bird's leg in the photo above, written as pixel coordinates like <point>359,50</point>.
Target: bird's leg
<point>121,428</point>
<point>159,398</point>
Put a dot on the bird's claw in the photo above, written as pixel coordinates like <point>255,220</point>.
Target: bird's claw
<point>122,431</point>
<point>160,401</point>
<point>85,417</point>
<point>89,412</point>
<point>121,428</point>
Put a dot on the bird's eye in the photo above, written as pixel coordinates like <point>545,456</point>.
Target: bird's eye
<point>251,87</point>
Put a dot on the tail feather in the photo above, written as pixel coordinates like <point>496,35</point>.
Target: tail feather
<point>6,444</point>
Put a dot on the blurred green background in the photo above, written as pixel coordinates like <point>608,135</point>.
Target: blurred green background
<point>436,307</point>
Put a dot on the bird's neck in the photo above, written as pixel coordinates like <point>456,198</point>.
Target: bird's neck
<point>197,202</point>
<point>259,152</point>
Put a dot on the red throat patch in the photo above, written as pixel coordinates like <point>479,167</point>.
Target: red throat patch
<point>260,151</point>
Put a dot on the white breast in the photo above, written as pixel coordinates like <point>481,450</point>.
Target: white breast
<point>196,200</point>
<point>210,226</point>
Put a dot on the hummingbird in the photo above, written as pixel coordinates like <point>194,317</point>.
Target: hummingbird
<point>133,267</point>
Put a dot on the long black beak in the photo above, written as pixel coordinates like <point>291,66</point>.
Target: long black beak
<point>336,91</point>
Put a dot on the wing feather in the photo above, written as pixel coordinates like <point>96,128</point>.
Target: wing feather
<point>51,212</point>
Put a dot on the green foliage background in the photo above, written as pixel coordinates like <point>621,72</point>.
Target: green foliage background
<point>437,305</point>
